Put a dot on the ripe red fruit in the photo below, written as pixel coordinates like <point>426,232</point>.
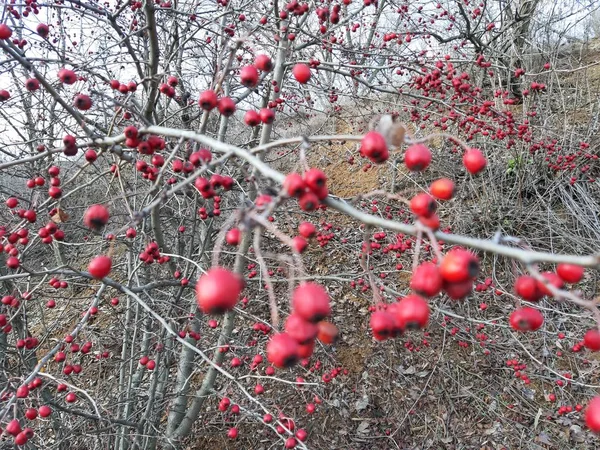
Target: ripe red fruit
<point>43,30</point>
<point>12,202</point>
<point>82,102</point>
<point>432,222</point>
<point>96,216</point>
<point>263,63</point>
<point>301,73</point>
<point>71,397</point>
<point>417,157</point>
<point>91,155</point>
<point>591,340</point>
<point>249,76</point>
<point>458,291</point>
<point>54,192</point>
<point>4,95</point>
<point>12,262</point>
<point>426,280</point>
<point>233,236</point>
<point>374,147</point>
<point>315,179</point>
<point>31,413</point>
<point>266,115</point>
<point>290,442</point>
<point>226,106</point>
<point>526,319</point>
<point>327,333</point>
<point>251,118</point>
<point>5,31</point>
<point>308,201</point>
<point>527,288</point>
<point>299,329</point>
<point>442,189</point>
<point>22,392</point>
<point>232,433</point>
<point>21,439</point>
<point>459,265</point>
<point>99,267</point>
<point>32,84</point>
<point>474,161</point>
<point>299,244</point>
<point>282,350</point>
<point>553,280</point>
<point>208,100</point>
<point>311,302</point>
<point>307,229</point>
<point>423,205</point>
<point>13,427</point>
<point>382,323</point>
<point>294,185</point>
<point>67,76</point>
<point>218,290</point>
<point>570,273</point>
<point>412,312</point>
<point>45,411</point>
<point>592,415</point>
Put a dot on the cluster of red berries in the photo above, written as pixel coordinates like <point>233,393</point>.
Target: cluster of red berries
<point>310,305</point>
<point>116,85</point>
<point>309,189</point>
<point>168,88</point>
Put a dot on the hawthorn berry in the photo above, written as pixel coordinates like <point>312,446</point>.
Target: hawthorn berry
<point>301,73</point>
<point>382,325</point>
<point>570,273</point>
<point>592,415</point>
<point>282,350</point>
<point>226,106</point>
<point>100,266</point>
<point>526,319</point>
<point>374,147</point>
<point>423,205</point>
<point>442,189</point>
<point>474,161</point>
<point>311,302</point>
<point>527,288</point>
<point>591,340</point>
<point>426,280</point>
<point>412,312</point>
<point>95,217</point>
<point>417,157</point>
<point>459,265</point>
<point>218,290</point>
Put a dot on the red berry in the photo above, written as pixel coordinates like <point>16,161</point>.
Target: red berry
<point>218,290</point>
<point>474,161</point>
<point>442,189</point>
<point>5,31</point>
<point>301,73</point>
<point>208,100</point>
<point>100,266</point>
<point>308,201</point>
<point>426,280</point>
<point>374,147</point>
<point>311,302</point>
<point>249,76</point>
<point>252,118</point>
<point>226,106</point>
<point>263,63</point>
<point>67,76</point>
<point>592,415</point>
<point>328,332</point>
<point>526,319</point>
<point>282,350</point>
<point>307,229</point>
<point>527,288</point>
<point>459,265</point>
<point>570,273</point>
<point>299,329</point>
<point>266,115</point>
<point>82,102</point>
<point>233,236</point>
<point>382,323</point>
<point>591,340</point>
<point>553,280</point>
<point>315,179</point>
<point>423,205</point>
<point>417,157</point>
<point>294,185</point>
<point>412,312</point>
<point>96,217</point>
<point>232,433</point>
<point>458,291</point>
